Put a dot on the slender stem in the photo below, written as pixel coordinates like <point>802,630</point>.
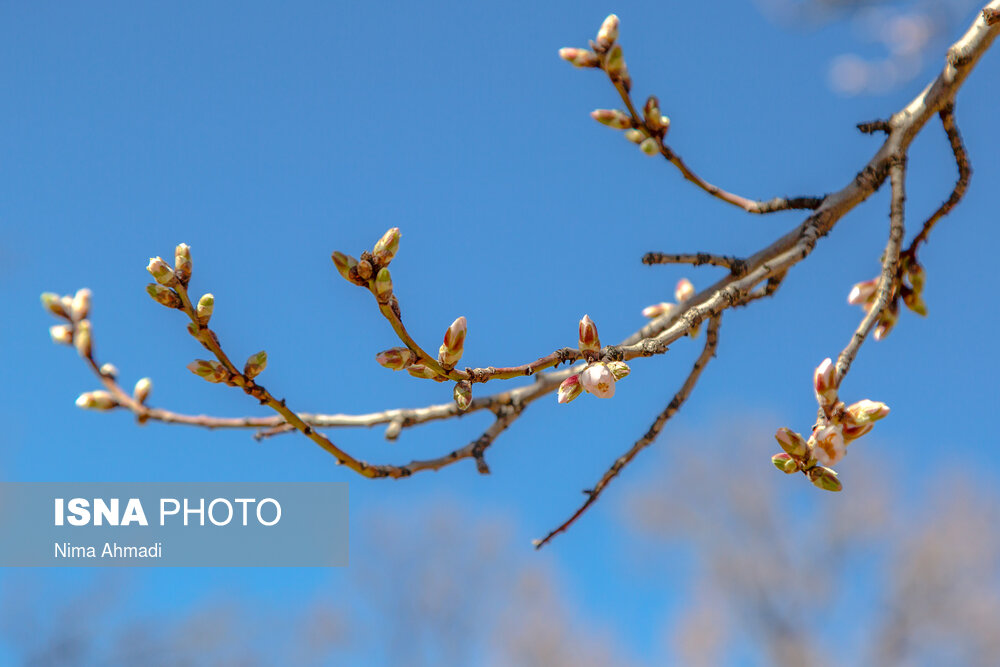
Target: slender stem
<point>889,280</point>
<point>748,205</point>
<point>735,264</point>
<point>947,115</point>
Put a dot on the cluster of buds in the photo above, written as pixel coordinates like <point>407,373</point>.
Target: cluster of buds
<point>649,135</point>
<point>682,292</point>
<point>372,264</point>
<point>74,310</point>
<point>798,456</point>
<point>910,292</point>
<point>449,354</point>
<point>836,429</point>
<point>599,377</point>
<point>168,278</point>
<point>605,53</point>
<point>864,294</point>
<point>76,331</point>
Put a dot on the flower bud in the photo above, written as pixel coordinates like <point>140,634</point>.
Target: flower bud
<point>598,380</point>
<point>82,340</point>
<point>396,358</point>
<point>619,369</point>
<point>651,113</point>
<point>422,372</point>
<point>853,431</point>
<point>915,302</point>
<point>823,383</point>
<point>463,395</point>
<point>785,463</point>
<point>344,264</point>
<point>917,276</point>
<point>579,57</point>
<point>213,371</point>
<point>590,343</point>
<point>615,63</point>
<point>863,293</point>
<point>161,272</point>
<point>793,443</point>
<point>364,269</point>
<point>393,430</point>
<point>828,444</point>
<point>81,304</point>
<point>684,290</point>
<point>96,400</point>
<point>824,478</point>
<point>664,124</point>
<point>636,136</point>
<point>387,247</point>
<point>52,303</point>
<point>650,146</point>
<point>887,321</point>
<point>182,263</point>
<point>62,334</point>
<point>454,343</point>
<point>142,389</point>
<point>569,389</point>
<point>608,33</point>
<point>612,118</point>
<point>163,295</point>
<point>866,412</point>
<point>383,285</point>
<point>255,365</point>
<point>109,370</point>
<point>206,304</point>
<point>657,309</point>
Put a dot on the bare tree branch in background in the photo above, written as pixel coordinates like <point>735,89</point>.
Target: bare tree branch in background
<point>917,571</point>
<point>595,369</point>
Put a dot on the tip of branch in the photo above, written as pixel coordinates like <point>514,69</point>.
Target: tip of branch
<point>873,126</point>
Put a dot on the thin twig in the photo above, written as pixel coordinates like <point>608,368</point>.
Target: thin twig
<point>736,265</point>
<point>889,280</point>
<point>873,126</point>
<point>711,342</point>
<point>748,205</point>
<point>947,115</point>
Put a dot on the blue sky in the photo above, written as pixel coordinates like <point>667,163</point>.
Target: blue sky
<point>267,137</point>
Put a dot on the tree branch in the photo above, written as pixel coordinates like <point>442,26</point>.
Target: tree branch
<point>749,279</point>
<point>736,265</point>
<point>711,343</point>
